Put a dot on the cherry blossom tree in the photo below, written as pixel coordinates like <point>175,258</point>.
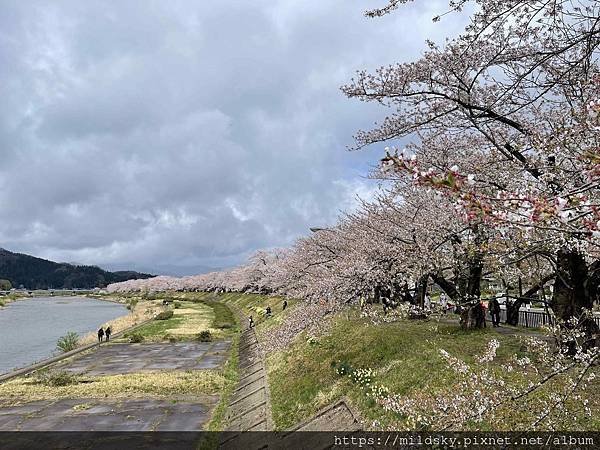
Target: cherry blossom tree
<point>503,121</point>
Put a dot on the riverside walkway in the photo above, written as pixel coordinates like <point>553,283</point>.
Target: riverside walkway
<point>148,413</point>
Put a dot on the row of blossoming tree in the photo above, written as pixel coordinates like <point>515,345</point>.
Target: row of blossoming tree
<point>499,175</point>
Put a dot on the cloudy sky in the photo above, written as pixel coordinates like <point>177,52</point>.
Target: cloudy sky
<point>178,136</point>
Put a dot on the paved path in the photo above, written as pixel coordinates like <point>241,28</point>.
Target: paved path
<point>133,358</point>
<point>111,415</point>
<point>144,414</point>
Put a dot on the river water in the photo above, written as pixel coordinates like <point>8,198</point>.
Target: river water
<point>30,328</point>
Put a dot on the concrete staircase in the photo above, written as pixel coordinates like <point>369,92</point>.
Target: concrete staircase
<point>249,408</point>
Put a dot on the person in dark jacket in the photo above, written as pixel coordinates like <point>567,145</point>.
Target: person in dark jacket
<point>495,312</point>
<point>107,333</point>
<point>100,334</point>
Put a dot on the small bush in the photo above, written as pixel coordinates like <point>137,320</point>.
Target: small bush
<point>56,378</point>
<point>135,338</point>
<point>131,303</point>
<point>204,336</point>
<point>164,315</point>
<point>176,304</point>
<point>67,342</point>
<point>342,367</point>
<point>2,303</point>
<point>312,341</point>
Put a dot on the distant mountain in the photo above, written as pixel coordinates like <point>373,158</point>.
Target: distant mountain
<point>167,269</point>
<point>37,273</point>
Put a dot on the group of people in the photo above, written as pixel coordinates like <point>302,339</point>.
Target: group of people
<point>102,333</point>
<point>268,313</point>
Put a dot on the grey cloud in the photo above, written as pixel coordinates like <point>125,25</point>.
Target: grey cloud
<point>184,135</point>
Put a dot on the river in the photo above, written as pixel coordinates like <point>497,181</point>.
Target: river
<point>29,328</point>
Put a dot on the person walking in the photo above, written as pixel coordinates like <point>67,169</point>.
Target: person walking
<point>100,334</point>
<point>427,302</point>
<point>107,333</point>
<point>483,307</point>
<point>250,322</point>
<point>495,312</point>
<point>284,305</point>
<point>443,303</point>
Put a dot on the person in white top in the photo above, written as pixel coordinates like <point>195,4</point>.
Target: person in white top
<point>427,302</point>
<point>443,302</point>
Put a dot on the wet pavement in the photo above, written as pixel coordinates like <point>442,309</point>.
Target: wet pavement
<point>107,415</point>
<point>112,359</point>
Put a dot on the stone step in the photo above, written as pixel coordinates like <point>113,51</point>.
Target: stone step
<point>260,426</point>
<point>248,441</point>
<point>248,345</point>
<point>249,368</point>
<point>251,351</point>
<point>247,361</point>
<point>244,419</point>
<point>245,393</point>
<point>252,379</point>
<point>246,407</point>
<point>337,417</point>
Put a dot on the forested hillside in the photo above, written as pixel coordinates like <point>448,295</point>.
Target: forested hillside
<point>37,273</point>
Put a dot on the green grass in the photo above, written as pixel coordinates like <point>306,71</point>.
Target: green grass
<point>255,305</point>
<point>231,374</point>
<point>158,328</point>
<point>188,320</point>
<point>223,316</point>
<point>406,359</point>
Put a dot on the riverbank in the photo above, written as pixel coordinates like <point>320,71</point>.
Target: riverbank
<point>31,327</point>
<point>9,298</point>
<point>175,376</point>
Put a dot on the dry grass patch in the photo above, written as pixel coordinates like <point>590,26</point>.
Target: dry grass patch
<point>196,319</point>
<point>142,312</point>
<point>158,384</point>
<point>187,321</point>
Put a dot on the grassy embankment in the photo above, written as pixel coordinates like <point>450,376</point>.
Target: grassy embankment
<point>255,305</point>
<point>189,319</point>
<point>405,357</point>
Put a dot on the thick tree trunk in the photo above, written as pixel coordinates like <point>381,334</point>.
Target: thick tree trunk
<point>573,292</point>
<point>570,294</point>
<point>592,284</point>
<point>406,295</point>
<point>512,308</point>
<point>421,290</point>
<point>377,294</point>
<point>512,312</point>
<point>472,314</point>
<point>467,293</point>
